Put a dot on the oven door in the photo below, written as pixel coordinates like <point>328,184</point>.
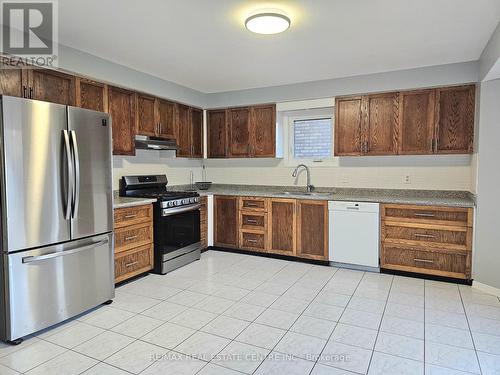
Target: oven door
<point>177,232</point>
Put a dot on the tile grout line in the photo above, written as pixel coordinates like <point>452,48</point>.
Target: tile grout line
<point>288,330</point>
<point>470,331</point>
<point>221,314</point>
<point>380,325</point>
<point>337,322</point>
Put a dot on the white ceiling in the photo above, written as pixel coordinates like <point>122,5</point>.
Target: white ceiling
<point>204,45</point>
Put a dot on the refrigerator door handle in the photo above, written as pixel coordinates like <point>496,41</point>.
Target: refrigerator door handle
<point>70,187</point>
<point>76,190</point>
<point>31,259</point>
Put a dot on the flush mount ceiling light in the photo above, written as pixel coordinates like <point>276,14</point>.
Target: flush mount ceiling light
<point>267,23</point>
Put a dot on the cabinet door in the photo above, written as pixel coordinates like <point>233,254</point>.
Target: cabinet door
<point>380,124</point>
<point>166,117</point>
<point>263,130</point>
<point>347,126</point>
<point>91,95</point>
<point>196,133</point>
<point>13,82</point>
<point>312,229</point>
<point>51,86</point>
<point>146,119</point>
<point>239,132</point>
<point>226,221</point>
<point>217,133</point>
<point>455,120</point>
<point>282,224</point>
<point>122,108</point>
<point>183,131</point>
<point>416,122</point>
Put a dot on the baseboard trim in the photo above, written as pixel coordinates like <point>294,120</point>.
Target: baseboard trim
<point>486,288</point>
<point>270,255</point>
<point>426,276</point>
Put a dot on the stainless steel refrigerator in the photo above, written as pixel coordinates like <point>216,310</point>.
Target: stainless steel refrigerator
<point>56,214</point>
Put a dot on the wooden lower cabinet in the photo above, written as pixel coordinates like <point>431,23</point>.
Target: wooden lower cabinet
<point>427,239</point>
<point>226,221</point>
<point>312,229</point>
<point>133,262</point>
<point>291,227</point>
<point>133,241</point>
<point>282,224</point>
<point>203,222</point>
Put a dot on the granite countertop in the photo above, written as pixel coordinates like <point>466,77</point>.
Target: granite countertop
<point>396,196</point>
<point>122,202</point>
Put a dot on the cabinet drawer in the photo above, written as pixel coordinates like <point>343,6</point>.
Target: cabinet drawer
<point>253,220</point>
<point>133,215</point>
<point>455,237</point>
<point>133,262</point>
<point>429,261</point>
<point>253,204</point>
<point>133,236</point>
<point>428,214</point>
<point>253,241</point>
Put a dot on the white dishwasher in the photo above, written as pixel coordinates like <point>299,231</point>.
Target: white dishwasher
<point>354,233</point>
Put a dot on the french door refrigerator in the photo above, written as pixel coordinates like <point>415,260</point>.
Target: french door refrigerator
<point>56,214</point>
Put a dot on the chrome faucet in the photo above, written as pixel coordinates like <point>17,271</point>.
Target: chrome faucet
<point>309,187</point>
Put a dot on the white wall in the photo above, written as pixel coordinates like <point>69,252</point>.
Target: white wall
<point>439,75</point>
<point>487,236</point>
<point>426,172</point>
<point>155,162</point>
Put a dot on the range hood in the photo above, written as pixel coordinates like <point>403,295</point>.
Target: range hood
<point>144,142</point>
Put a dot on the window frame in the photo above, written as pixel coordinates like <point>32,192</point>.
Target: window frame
<point>307,114</point>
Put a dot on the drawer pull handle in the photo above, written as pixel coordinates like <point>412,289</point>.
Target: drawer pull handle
<point>252,221</point>
<point>423,260</point>
<point>421,214</point>
<point>131,264</point>
<point>251,204</point>
<point>419,235</point>
<point>130,216</point>
<point>251,241</point>
<point>130,238</point>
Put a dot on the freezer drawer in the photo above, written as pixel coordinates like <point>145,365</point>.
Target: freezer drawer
<point>49,285</point>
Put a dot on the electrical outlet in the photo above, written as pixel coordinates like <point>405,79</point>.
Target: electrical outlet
<point>406,179</point>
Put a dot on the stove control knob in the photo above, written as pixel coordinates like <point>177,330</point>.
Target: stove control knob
<point>192,200</point>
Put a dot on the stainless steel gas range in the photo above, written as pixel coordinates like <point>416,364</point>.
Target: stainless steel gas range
<point>176,220</point>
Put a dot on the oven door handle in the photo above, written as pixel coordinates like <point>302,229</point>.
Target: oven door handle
<point>175,211</point>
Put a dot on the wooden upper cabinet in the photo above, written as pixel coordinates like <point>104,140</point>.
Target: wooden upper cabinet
<point>239,132</point>
<point>217,133</point>
<point>380,124</point>
<point>51,86</point>
<point>183,130</point>
<point>455,120</point>
<point>312,229</point>
<point>416,122</point>
<point>13,82</point>
<point>348,126</point>
<point>122,108</point>
<point>166,119</point>
<point>91,95</point>
<point>197,133</point>
<point>226,221</point>
<point>146,115</point>
<point>282,223</point>
<point>263,130</point>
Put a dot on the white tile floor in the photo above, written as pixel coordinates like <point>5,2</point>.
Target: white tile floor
<point>229,314</point>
